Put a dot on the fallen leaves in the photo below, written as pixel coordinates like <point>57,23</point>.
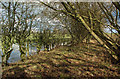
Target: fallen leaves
<point>61,63</point>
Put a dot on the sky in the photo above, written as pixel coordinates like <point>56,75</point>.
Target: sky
<point>51,22</point>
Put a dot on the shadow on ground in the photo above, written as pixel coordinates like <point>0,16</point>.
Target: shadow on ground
<point>75,61</point>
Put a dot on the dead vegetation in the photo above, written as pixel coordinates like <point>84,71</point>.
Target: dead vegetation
<point>73,61</point>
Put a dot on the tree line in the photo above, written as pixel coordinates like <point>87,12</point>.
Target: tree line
<point>17,20</point>
<point>82,21</point>
<point>93,17</point>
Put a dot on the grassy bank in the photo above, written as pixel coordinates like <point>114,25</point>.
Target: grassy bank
<point>81,60</point>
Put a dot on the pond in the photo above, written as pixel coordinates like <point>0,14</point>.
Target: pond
<point>15,55</point>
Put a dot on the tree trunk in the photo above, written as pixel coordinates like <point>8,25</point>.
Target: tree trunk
<point>22,49</point>
<point>27,48</point>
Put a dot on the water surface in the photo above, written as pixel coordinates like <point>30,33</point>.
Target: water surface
<point>15,55</point>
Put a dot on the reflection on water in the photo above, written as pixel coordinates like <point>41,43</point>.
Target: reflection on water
<point>15,55</point>
<point>15,47</point>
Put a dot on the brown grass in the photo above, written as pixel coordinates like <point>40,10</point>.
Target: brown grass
<point>65,62</point>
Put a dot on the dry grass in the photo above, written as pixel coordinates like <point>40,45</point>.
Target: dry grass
<point>74,61</point>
